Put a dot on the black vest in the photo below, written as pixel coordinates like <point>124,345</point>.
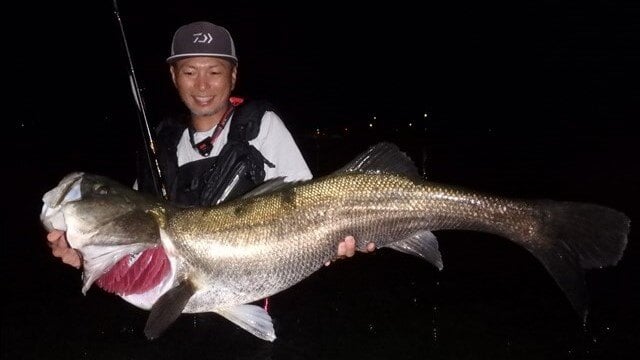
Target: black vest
<point>237,169</point>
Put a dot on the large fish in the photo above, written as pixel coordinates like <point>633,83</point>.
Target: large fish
<point>221,259</point>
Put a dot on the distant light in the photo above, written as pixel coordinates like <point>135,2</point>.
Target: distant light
<point>410,124</point>
<point>425,115</point>
<point>346,129</point>
<point>370,125</point>
<point>375,117</point>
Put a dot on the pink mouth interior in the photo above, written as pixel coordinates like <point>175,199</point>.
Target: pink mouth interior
<point>145,273</point>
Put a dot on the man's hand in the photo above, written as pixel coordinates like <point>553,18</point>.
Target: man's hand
<point>347,248</point>
<point>60,248</point>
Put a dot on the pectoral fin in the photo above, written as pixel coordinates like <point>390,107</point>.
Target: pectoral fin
<point>252,318</point>
<point>422,244</point>
<point>167,309</point>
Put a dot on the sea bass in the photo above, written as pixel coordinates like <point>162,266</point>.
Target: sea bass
<point>172,260</point>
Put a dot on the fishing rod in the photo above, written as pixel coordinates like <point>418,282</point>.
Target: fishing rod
<point>149,148</point>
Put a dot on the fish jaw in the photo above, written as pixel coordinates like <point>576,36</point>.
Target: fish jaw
<point>68,189</point>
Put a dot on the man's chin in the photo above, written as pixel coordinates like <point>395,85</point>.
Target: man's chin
<point>203,113</point>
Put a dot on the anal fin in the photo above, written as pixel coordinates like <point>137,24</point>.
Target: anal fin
<point>253,318</point>
<point>167,309</point>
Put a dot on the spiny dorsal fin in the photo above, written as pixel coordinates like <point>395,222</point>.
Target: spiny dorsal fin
<point>167,309</point>
<point>383,157</point>
<point>270,185</point>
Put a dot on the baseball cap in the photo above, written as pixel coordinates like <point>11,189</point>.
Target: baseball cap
<point>202,38</point>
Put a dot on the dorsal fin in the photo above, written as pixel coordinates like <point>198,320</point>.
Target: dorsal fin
<point>270,185</point>
<point>383,157</point>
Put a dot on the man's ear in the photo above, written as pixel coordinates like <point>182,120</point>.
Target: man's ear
<point>172,69</point>
<point>234,76</point>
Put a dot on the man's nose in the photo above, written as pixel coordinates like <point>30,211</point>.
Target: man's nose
<point>202,83</point>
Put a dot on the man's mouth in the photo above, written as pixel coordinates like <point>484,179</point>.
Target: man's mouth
<point>203,100</point>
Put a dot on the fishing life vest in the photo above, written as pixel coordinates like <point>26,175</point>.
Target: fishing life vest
<point>237,169</point>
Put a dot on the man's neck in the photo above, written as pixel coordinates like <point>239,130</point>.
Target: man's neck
<point>207,122</point>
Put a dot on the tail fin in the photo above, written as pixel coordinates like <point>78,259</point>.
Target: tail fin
<point>575,236</point>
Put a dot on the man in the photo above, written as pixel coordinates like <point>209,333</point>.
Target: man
<point>226,145</point>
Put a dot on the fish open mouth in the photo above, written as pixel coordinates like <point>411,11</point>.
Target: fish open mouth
<point>136,273</point>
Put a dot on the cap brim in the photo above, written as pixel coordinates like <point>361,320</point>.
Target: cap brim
<point>174,58</point>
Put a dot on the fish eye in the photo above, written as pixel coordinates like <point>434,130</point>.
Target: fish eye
<point>101,189</point>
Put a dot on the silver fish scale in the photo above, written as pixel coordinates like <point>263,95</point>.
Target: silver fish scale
<point>248,249</point>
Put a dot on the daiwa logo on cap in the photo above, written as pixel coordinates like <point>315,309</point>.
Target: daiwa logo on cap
<point>197,39</point>
<point>202,38</point>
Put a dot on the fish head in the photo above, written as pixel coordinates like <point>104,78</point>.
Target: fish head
<point>112,226</point>
<point>88,204</point>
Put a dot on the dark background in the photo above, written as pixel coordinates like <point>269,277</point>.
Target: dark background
<point>527,99</point>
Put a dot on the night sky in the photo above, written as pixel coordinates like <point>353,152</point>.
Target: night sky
<point>524,98</point>
<point>503,74</point>
<point>534,66</point>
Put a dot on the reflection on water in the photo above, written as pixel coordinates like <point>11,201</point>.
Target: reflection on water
<point>492,300</point>
<point>434,323</point>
